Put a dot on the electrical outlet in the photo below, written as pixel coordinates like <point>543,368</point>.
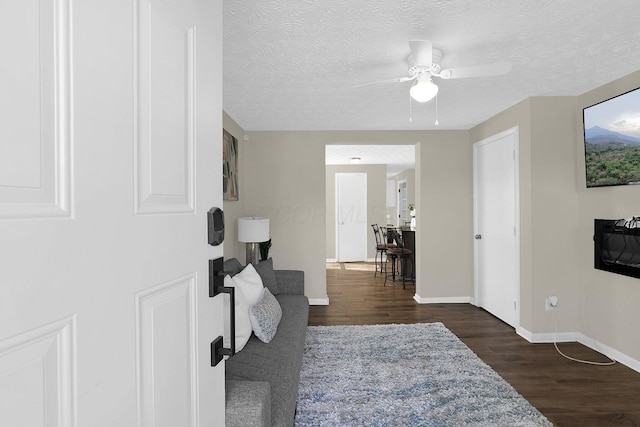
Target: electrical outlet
<point>550,302</point>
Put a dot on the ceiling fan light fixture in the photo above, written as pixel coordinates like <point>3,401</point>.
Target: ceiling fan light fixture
<point>423,90</point>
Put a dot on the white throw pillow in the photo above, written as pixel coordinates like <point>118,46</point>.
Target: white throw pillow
<point>251,284</point>
<point>243,322</point>
<point>265,316</point>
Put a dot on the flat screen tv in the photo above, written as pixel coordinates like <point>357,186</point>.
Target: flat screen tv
<point>612,141</point>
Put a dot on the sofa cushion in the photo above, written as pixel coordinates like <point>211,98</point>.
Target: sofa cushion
<point>265,316</point>
<point>268,276</point>
<point>290,281</point>
<point>248,403</point>
<point>232,266</point>
<point>278,362</point>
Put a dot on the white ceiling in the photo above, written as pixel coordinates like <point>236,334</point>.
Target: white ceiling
<point>291,64</point>
<point>398,158</point>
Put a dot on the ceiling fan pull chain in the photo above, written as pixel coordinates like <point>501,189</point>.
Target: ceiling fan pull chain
<point>437,122</point>
<point>410,120</point>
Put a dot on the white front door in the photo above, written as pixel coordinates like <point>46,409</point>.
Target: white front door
<point>105,318</point>
<point>351,216</point>
<point>497,286</point>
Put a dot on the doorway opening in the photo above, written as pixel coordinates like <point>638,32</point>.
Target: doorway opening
<point>383,165</point>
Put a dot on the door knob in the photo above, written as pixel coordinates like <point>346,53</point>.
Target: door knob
<point>478,236</point>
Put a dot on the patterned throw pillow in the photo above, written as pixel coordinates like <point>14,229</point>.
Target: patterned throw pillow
<point>265,316</point>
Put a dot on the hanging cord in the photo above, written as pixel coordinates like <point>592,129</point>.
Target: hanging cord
<point>410,120</point>
<point>437,122</point>
<point>588,362</point>
<point>621,223</point>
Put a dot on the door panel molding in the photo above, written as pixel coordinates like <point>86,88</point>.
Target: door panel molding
<point>43,359</point>
<point>164,97</point>
<point>35,169</point>
<point>166,343</point>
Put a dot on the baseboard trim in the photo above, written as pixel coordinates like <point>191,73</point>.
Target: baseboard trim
<point>442,300</point>
<point>609,352</point>
<point>545,337</point>
<point>594,345</point>
<point>336,260</point>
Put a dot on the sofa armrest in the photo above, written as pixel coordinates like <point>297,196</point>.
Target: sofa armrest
<point>290,281</point>
<point>248,404</point>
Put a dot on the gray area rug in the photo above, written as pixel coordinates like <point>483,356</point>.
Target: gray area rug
<point>402,375</point>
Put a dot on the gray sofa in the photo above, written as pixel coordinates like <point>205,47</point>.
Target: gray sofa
<point>262,379</point>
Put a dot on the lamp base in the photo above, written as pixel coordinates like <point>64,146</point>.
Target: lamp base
<point>253,253</point>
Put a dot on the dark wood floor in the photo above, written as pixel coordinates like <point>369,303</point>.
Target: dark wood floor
<point>566,392</point>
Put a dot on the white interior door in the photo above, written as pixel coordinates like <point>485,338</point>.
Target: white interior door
<point>351,217</point>
<point>105,318</point>
<point>497,226</point>
<point>403,204</point>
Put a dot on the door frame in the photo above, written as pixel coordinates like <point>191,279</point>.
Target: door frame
<point>399,218</point>
<point>515,132</point>
<point>337,211</point>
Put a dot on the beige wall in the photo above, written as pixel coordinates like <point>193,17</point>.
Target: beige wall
<point>547,205</point>
<point>444,214</point>
<point>285,180</point>
<point>557,213</point>
<point>553,212</point>
<point>607,304</point>
<point>376,203</point>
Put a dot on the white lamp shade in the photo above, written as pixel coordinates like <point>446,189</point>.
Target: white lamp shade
<point>253,229</point>
<point>424,90</point>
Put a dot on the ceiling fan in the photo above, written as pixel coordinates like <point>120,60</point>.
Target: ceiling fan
<point>424,63</point>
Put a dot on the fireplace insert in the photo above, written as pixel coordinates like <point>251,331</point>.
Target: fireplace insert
<point>617,246</point>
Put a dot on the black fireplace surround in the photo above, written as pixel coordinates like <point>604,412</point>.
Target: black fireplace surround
<point>617,246</point>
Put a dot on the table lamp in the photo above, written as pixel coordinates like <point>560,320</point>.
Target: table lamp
<point>253,230</point>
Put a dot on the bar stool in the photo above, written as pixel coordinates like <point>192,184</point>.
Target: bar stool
<point>381,246</point>
<point>399,253</point>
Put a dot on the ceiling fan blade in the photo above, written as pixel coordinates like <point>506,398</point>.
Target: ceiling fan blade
<point>421,52</point>
<point>497,69</point>
<point>398,80</point>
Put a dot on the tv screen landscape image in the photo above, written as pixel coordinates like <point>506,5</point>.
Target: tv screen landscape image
<point>612,141</point>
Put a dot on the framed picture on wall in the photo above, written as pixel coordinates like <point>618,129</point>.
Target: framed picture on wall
<point>229,166</point>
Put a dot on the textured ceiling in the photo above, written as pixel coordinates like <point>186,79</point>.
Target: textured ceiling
<point>291,64</point>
